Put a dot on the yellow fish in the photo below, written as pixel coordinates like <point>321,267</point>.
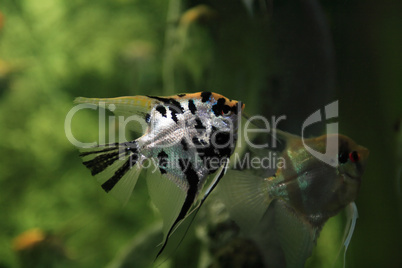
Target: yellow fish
<point>305,192</point>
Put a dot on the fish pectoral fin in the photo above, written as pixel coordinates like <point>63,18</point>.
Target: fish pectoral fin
<point>218,176</point>
<point>351,218</point>
<point>114,167</point>
<point>245,196</point>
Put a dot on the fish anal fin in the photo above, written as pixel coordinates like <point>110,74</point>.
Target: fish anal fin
<point>295,234</point>
<point>186,216</point>
<point>245,196</point>
<point>167,197</point>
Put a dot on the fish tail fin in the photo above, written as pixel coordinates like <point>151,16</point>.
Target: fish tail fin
<point>246,197</point>
<point>115,166</point>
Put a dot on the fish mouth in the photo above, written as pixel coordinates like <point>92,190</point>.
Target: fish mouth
<point>353,178</point>
<point>356,178</point>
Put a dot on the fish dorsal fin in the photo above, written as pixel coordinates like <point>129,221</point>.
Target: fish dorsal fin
<point>284,135</point>
<point>245,196</point>
<point>295,235</point>
<point>113,169</point>
<point>134,109</point>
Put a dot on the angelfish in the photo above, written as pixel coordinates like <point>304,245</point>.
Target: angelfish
<point>306,191</point>
<point>187,136</point>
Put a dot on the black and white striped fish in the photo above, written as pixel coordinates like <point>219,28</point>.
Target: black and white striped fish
<point>187,136</point>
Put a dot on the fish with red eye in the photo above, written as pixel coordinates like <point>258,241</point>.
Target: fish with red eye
<point>302,195</point>
<point>354,156</point>
<point>226,113</point>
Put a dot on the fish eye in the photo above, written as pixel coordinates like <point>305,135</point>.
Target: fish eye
<point>354,156</point>
<point>226,111</point>
<point>343,157</point>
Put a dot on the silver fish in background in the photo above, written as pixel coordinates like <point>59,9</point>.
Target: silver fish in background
<point>293,205</point>
<point>187,137</point>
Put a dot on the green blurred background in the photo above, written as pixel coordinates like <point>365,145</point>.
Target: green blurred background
<point>287,57</point>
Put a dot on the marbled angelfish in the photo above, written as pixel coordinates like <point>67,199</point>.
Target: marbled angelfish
<point>187,136</point>
<point>306,191</point>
